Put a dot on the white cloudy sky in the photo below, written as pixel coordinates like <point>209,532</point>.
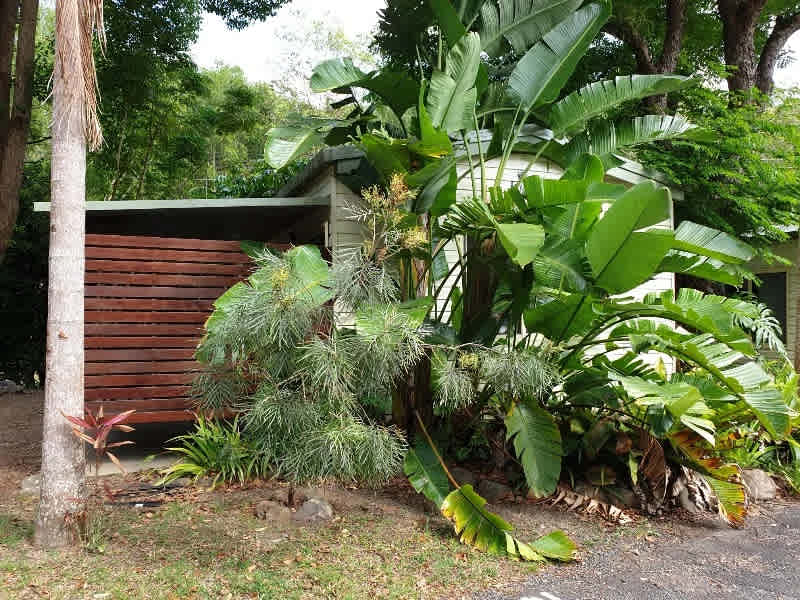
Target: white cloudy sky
<point>260,51</point>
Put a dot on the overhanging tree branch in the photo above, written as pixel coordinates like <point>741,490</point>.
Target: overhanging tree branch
<point>785,27</point>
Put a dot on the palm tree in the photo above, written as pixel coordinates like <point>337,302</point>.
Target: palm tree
<point>75,126</point>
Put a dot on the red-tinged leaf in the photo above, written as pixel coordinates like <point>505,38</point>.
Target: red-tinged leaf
<point>115,460</point>
<point>116,419</point>
<point>125,428</point>
<point>83,436</point>
<point>76,421</point>
<point>90,418</point>
<point>100,414</point>
<point>118,444</point>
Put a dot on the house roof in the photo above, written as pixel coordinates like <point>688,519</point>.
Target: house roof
<point>346,158</point>
<point>195,204</point>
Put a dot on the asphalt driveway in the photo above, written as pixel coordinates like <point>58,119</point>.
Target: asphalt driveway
<point>760,562</point>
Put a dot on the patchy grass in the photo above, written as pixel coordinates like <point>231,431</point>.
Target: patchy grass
<point>211,546</point>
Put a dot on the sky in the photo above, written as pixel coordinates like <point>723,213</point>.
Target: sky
<point>263,49</point>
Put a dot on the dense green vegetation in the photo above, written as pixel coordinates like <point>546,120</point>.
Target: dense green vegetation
<point>538,344</point>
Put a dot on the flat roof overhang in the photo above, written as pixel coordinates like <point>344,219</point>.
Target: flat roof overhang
<point>290,220</point>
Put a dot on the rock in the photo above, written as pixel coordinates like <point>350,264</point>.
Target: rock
<point>31,484</point>
<point>314,510</point>
<point>273,512</point>
<point>9,387</point>
<point>494,491</point>
<point>759,484</point>
<point>464,476</point>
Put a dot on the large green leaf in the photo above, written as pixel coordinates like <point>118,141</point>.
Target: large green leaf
<point>521,22</point>
<point>541,192</point>
<point>482,529</point>
<point>397,89</point>
<point>570,114</point>
<point>521,241</point>
<point>309,276</point>
<point>561,318</point>
<point>286,144</point>
<point>605,138</point>
<point>542,72</point>
<point>620,256</point>
<point>537,441</point>
<point>715,244</point>
<point>426,474</point>
<point>388,156</point>
<point>452,95</point>
<point>560,263</point>
<point>771,409</point>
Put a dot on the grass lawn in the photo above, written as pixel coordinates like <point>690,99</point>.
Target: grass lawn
<point>202,544</point>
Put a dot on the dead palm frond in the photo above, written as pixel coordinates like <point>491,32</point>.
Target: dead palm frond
<point>75,65</point>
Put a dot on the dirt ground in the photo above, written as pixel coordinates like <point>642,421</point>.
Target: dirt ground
<point>20,437</point>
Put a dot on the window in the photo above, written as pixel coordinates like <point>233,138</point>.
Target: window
<point>772,292</point>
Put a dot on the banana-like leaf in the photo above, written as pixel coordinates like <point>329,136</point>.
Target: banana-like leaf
<point>569,115</point>
<point>537,441</point>
<point>309,276</point>
<point>704,268</point>
<point>396,88</point>
<point>560,263</point>
<point>285,144</point>
<point>542,72</point>
<point>482,529</point>
<point>724,479</point>
<point>622,257</point>
<point>605,138</point>
<point>541,192</point>
<point>426,474</point>
<point>452,95</point>
<point>521,241</point>
<point>520,22</point>
<point>561,318</point>
<point>556,546</point>
<point>712,243</point>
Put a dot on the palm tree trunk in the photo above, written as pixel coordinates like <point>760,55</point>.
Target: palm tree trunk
<point>63,490</point>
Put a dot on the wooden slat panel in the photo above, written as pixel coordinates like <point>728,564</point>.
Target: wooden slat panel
<point>137,379</point>
<point>139,354</point>
<point>140,329</point>
<point>162,279</point>
<point>144,266</point>
<point>141,342</point>
<point>118,406</point>
<point>130,393</point>
<point>118,316</point>
<point>134,241</point>
<point>122,291</point>
<point>161,366</point>
<point>227,258</point>
<point>161,416</point>
<point>131,304</point>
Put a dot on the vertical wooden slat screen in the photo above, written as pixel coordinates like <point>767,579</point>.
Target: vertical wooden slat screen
<point>147,299</point>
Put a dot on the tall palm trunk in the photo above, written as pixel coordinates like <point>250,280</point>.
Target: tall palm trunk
<point>63,491</point>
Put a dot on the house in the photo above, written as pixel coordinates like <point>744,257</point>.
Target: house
<point>154,268</point>
<point>779,289</point>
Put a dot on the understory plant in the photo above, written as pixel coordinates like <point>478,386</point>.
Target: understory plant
<point>536,325</point>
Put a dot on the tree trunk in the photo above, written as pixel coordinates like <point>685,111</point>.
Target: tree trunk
<point>15,120</point>
<point>785,27</point>
<point>671,50</point>
<point>739,21</point>
<point>63,492</point>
